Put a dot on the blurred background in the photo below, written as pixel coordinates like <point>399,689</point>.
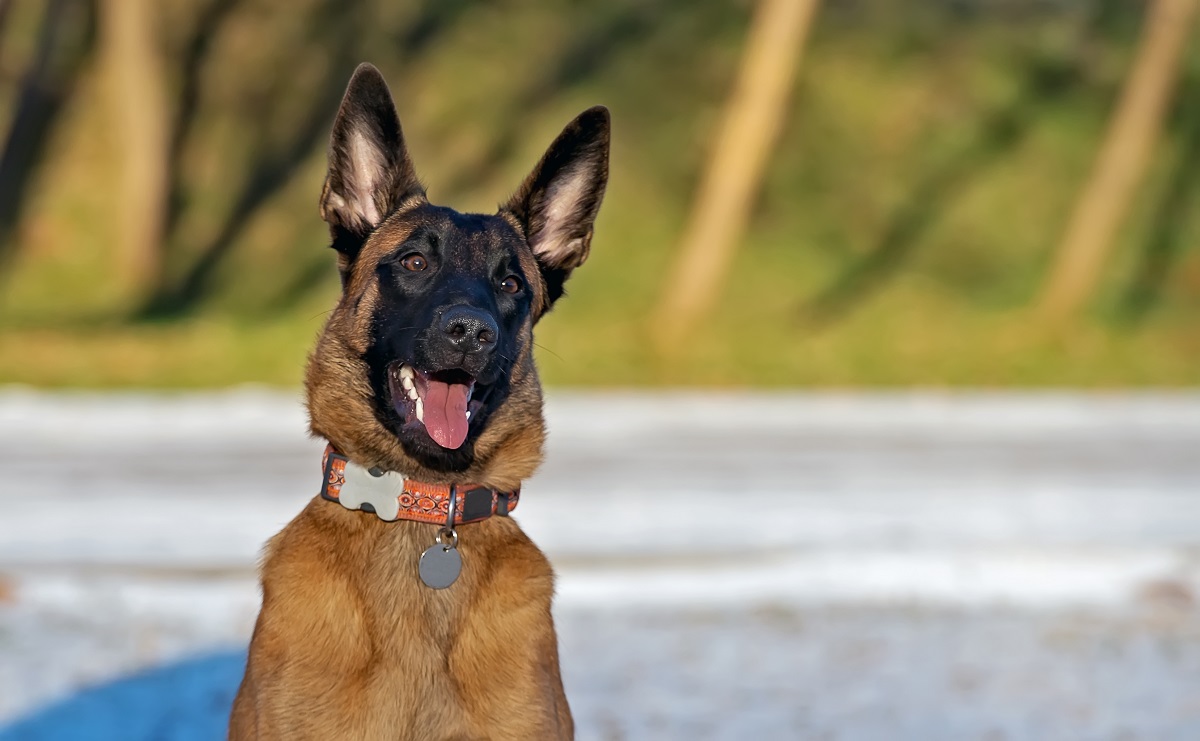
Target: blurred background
<point>921,164</point>
<point>918,279</point>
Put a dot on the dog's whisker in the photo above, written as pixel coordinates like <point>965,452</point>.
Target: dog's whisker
<point>538,344</point>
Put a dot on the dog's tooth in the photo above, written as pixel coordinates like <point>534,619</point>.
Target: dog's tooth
<point>420,411</point>
<point>468,414</point>
<point>412,393</point>
<point>406,374</point>
<point>406,382</point>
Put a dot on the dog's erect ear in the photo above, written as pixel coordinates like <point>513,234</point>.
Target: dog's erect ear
<point>370,172</point>
<point>558,202</point>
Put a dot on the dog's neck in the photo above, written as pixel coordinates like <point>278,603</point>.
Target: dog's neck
<point>391,495</point>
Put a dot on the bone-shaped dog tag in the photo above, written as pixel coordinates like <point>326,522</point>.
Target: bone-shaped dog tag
<point>381,492</point>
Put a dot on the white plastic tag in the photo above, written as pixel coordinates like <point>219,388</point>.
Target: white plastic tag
<point>381,492</point>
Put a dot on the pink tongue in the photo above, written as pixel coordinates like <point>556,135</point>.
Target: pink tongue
<point>445,412</point>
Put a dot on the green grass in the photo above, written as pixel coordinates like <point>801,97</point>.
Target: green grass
<point>913,336</point>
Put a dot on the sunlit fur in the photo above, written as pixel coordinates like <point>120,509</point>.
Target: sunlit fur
<point>349,643</point>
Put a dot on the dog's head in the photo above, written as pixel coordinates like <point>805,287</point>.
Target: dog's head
<point>425,366</point>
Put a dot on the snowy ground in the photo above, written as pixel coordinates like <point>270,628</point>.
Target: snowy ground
<point>898,566</point>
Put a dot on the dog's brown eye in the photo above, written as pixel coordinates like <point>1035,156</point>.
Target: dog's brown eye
<point>414,262</point>
<point>511,284</point>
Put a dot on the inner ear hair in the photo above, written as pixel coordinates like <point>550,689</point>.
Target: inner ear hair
<point>563,233</point>
<point>558,202</point>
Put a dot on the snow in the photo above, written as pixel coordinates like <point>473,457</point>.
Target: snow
<point>923,565</point>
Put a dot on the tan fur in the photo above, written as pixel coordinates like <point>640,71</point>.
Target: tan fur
<point>350,644</point>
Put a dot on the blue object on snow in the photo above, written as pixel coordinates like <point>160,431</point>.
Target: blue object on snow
<point>186,701</point>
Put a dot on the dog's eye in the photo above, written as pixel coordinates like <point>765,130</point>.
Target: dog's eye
<point>415,262</point>
<point>511,284</point>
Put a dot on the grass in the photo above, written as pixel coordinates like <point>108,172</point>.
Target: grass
<point>917,343</point>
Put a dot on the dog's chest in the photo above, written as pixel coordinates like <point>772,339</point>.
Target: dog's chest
<point>348,627</point>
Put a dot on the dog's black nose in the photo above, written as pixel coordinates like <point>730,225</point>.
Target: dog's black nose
<point>470,330</point>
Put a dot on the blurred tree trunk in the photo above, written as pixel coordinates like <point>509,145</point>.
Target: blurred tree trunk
<point>753,116</point>
<point>1123,156</point>
<point>137,99</point>
<point>47,81</point>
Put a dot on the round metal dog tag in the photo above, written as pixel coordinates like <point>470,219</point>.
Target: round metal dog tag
<point>440,566</point>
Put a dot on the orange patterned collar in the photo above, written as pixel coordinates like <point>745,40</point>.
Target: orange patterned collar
<point>392,496</point>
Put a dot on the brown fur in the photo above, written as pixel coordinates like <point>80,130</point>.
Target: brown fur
<point>350,644</point>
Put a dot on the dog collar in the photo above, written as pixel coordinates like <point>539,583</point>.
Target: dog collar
<point>392,496</point>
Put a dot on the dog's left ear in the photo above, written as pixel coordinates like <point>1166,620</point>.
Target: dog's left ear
<point>558,202</point>
<point>370,172</point>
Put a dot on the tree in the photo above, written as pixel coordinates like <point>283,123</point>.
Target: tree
<point>138,101</point>
<point>1121,162</point>
<point>64,43</point>
<point>753,117</point>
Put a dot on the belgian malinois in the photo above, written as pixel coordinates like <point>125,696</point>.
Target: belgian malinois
<point>403,602</point>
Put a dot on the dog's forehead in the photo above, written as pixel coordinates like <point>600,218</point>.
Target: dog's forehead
<point>471,242</point>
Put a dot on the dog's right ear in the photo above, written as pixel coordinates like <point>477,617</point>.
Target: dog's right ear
<point>370,172</point>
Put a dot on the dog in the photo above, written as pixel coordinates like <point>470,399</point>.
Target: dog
<point>403,601</point>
